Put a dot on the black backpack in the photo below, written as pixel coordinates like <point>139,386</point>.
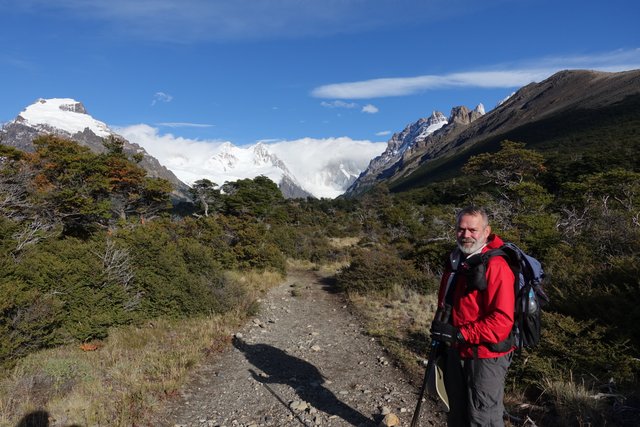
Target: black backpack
<point>529,294</point>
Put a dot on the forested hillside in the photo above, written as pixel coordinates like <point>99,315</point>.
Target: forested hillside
<point>90,245</point>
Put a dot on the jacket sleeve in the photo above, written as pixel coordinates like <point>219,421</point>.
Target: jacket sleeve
<point>497,304</point>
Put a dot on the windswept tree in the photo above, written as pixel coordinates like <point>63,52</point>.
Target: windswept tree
<point>72,183</point>
<point>17,203</point>
<point>604,207</point>
<point>85,190</point>
<point>207,195</point>
<point>15,178</point>
<point>131,191</point>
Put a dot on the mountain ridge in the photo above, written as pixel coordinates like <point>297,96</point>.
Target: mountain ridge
<point>563,92</point>
<point>404,143</point>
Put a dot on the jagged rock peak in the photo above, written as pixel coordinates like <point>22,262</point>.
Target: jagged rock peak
<point>78,107</point>
<point>462,115</point>
<point>419,130</point>
<point>436,119</point>
<point>64,104</point>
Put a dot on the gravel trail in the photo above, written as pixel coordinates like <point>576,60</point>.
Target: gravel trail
<point>304,360</point>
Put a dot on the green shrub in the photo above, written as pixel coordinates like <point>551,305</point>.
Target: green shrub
<point>173,280</point>
<point>574,350</point>
<point>374,270</point>
<point>303,242</point>
<point>249,243</point>
<point>70,269</point>
<point>28,320</point>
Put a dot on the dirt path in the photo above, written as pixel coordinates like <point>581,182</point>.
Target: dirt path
<point>304,360</point>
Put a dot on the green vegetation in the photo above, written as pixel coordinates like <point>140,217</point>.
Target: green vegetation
<point>90,247</point>
<point>131,372</point>
<point>91,251</point>
<point>583,227</point>
<point>88,244</point>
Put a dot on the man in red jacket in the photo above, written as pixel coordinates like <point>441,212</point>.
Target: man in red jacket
<point>478,332</point>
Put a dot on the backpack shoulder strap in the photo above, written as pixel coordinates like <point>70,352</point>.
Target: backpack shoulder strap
<point>505,252</point>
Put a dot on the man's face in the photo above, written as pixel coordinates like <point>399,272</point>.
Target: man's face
<point>472,233</point>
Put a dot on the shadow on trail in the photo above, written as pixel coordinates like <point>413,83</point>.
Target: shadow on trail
<point>39,418</point>
<point>329,284</point>
<point>301,376</point>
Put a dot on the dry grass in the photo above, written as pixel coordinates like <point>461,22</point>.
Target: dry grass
<point>400,319</point>
<point>343,242</point>
<point>330,269</point>
<point>324,269</point>
<point>575,403</point>
<point>127,377</point>
<point>300,264</point>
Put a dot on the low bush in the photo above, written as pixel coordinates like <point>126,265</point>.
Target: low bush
<point>375,270</point>
<point>574,350</point>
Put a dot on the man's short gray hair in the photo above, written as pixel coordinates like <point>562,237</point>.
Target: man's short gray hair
<point>473,210</point>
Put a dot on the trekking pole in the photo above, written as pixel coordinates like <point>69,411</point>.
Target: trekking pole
<point>442,317</point>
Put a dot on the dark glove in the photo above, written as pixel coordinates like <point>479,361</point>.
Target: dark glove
<point>445,332</point>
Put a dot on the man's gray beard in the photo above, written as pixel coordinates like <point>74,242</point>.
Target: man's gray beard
<point>469,250</point>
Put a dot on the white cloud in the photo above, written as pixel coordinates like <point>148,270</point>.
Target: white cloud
<point>161,97</point>
<point>509,76</point>
<point>184,157</point>
<point>184,125</point>
<point>370,108</point>
<point>379,88</point>
<point>339,104</point>
<point>308,157</point>
<point>383,133</point>
<point>190,159</point>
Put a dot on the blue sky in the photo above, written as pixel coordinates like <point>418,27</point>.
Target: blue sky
<point>250,70</point>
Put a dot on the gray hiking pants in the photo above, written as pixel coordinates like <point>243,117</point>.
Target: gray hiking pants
<point>476,390</point>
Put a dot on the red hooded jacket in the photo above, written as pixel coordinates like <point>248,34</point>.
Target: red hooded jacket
<point>486,316</point>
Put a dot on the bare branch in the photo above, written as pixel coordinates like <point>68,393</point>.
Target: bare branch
<point>116,265</point>
<point>31,234</point>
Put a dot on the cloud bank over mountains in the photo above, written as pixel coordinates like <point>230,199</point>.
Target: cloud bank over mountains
<point>308,159</point>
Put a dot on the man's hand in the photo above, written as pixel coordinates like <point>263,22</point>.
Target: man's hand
<point>445,332</point>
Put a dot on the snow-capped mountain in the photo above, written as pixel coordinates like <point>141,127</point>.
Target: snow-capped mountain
<point>304,167</point>
<point>402,145</point>
<point>61,115</point>
<point>321,168</point>
<point>327,167</point>
<point>568,95</point>
<point>68,118</point>
<point>398,144</point>
<point>232,163</point>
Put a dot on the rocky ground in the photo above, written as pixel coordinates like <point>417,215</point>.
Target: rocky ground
<point>304,360</point>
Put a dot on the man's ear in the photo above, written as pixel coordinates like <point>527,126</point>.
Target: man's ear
<point>487,232</point>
